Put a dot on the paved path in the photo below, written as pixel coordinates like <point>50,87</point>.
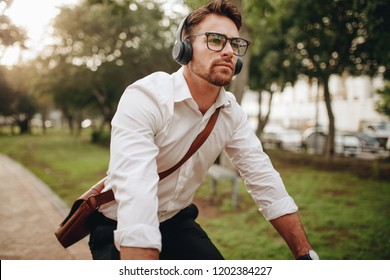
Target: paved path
<point>29,214</point>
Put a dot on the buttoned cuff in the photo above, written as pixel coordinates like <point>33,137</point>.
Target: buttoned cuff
<point>279,208</point>
<point>141,236</point>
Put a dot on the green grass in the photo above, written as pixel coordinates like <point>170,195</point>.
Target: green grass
<point>67,164</point>
<point>345,216</point>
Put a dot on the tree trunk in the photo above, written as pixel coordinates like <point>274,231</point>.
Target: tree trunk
<point>24,126</point>
<point>79,119</point>
<point>330,145</point>
<point>44,119</point>
<point>70,120</point>
<point>262,122</point>
<point>105,107</point>
<point>238,85</point>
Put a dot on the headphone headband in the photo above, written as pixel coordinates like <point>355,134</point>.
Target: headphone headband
<point>179,34</point>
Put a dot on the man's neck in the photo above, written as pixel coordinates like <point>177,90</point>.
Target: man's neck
<point>204,93</point>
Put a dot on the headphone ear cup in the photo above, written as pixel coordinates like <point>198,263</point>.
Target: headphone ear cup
<point>187,53</point>
<point>177,51</point>
<point>182,50</point>
<point>238,67</point>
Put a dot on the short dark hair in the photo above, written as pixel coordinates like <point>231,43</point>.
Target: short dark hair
<point>218,7</point>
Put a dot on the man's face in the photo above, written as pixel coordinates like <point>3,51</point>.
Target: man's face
<point>215,67</point>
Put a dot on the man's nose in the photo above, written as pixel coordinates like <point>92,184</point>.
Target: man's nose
<point>228,49</point>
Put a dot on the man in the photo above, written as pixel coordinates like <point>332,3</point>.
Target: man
<point>157,119</point>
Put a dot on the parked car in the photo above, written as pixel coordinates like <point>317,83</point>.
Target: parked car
<point>314,142</point>
<point>368,143</point>
<point>379,130</point>
<point>347,145</point>
<point>285,139</point>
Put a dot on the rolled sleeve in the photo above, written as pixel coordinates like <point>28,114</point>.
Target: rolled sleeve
<point>142,236</point>
<point>279,208</point>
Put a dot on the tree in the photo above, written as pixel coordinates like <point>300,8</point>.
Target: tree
<point>65,87</point>
<point>16,101</point>
<point>240,82</point>
<point>329,37</point>
<point>271,67</point>
<point>337,37</point>
<point>10,35</point>
<point>383,106</point>
<point>102,47</point>
<point>6,94</point>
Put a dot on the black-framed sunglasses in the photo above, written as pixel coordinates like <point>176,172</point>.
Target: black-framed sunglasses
<point>216,42</point>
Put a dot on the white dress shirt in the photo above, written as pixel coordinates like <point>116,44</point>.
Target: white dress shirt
<point>156,122</point>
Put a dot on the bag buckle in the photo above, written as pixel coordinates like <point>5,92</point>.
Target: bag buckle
<point>92,202</point>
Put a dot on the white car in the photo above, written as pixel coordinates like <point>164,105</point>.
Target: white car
<point>345,144</point>
<point>284,139</point>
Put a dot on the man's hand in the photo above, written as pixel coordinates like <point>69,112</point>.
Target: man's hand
<point>134,253</point>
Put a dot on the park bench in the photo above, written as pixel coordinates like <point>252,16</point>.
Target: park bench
<point>218,172</point>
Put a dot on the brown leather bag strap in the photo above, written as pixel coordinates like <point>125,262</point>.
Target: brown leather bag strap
<point>108,196</point>
<point>199,140</point>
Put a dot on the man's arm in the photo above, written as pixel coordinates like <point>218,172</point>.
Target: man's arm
<point>134,253</point>
<point>290,228</point>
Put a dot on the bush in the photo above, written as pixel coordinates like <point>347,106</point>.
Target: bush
<point>101,138</point>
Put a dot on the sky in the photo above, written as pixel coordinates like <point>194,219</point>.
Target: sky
<point>35,17</point>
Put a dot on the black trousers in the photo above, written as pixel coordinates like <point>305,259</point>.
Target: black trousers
<point>182,238</point>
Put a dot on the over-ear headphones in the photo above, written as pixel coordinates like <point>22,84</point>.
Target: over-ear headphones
<point>182,50</point>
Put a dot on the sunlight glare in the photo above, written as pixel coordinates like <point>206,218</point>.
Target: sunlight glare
<point>35,17</point>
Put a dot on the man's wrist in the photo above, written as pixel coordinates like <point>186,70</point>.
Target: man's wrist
<point>135,253</point>
<point>311,255</point>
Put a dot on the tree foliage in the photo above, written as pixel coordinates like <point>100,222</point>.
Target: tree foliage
<point>17,104</point>
<point>102,47</point>
<point>383,105</point>
<point>318,39</point>
<point>10,34</point>
<point>6,94</point>
<point>271,68</point>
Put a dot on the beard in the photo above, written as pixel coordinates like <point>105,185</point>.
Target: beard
<point>213,75</point>
<point>219,78</point>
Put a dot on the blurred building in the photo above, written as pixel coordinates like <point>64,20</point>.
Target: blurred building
<point>353,103</point>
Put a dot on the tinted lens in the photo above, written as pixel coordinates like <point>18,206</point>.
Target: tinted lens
<point>239,46</point>
<point>216,41</point>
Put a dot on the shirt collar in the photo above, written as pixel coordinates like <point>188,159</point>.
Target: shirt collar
<point>182,91</point>
<point>223,99</point>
